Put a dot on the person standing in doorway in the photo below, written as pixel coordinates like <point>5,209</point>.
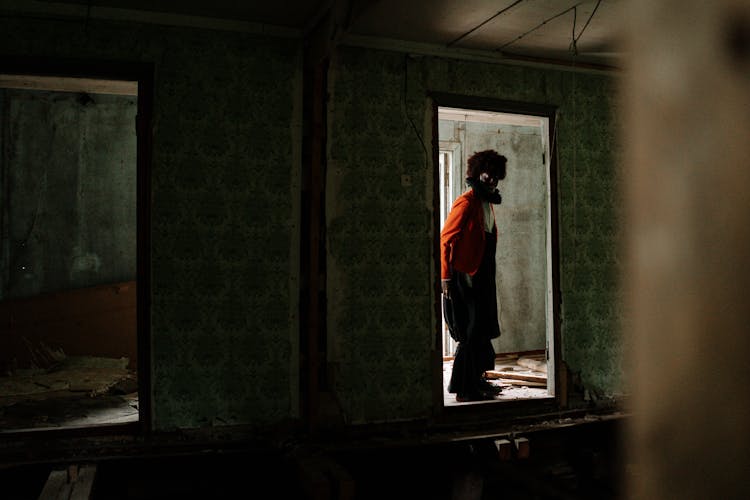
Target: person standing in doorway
<point>467,264</point>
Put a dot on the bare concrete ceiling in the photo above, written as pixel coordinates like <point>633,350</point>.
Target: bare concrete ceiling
<point>540,29</point>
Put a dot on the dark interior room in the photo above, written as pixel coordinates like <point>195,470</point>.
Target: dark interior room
<point>223,249</point>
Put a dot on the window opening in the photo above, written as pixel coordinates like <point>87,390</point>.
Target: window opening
<point>524,352</point>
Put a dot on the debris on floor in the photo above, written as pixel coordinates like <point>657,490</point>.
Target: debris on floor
<point>525,371</point>
<point>81,389</point>
<point>520,375</point>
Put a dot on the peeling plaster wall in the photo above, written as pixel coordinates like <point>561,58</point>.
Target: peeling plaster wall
<point>380,265</point>
<point>225,209</point>
<point>69,199</point>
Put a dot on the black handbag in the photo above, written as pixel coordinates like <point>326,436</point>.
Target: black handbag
<point>450,315</point>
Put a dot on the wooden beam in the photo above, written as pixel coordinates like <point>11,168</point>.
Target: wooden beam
<point>493,374</point>
<point>69,84</point>
<point>55,482</point>
<point>72,483</point>
<point>521,383</point>
<point>84,483</point>
<point>563,384</point>
<point>313,222</point>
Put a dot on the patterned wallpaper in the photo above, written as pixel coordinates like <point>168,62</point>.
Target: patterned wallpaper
<point>380,270</point>
<point>379,289</point>
<point>225,229</point>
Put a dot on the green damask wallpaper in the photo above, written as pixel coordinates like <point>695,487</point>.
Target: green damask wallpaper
<point>225,210</point>
<point>225,216</point>
<point>381,273</point>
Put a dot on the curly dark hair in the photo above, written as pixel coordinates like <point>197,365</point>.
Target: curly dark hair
<point>486,161</point>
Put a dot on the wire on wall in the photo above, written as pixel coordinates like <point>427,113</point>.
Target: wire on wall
<point>406,112</point>
<point>574,40</point>
<point>575,136</point>
<point>572,46</point>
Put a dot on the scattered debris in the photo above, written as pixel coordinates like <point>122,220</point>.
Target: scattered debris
<point>77,390</point>
<point>43,356</point>
<point>518,382</point>
<point>533,364</point>
<point>96,362</point>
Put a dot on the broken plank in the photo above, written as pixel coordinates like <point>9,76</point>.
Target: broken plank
<point>84,483</point>
<point>71,483</point>
<point>522,383</point>
<point>55,482</point>
<point>515,376</point>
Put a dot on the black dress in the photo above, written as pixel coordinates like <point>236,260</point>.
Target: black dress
<point>475,314</point>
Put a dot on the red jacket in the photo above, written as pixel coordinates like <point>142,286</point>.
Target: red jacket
<point>462,237</point>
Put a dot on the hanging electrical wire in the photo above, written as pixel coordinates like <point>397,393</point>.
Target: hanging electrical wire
<point>453,42</point>
<point>574,41</point>
<point>404,109</point>
<point>573,48</point>
<point>539,26</point>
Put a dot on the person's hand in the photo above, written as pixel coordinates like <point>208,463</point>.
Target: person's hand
<point>446,284</point>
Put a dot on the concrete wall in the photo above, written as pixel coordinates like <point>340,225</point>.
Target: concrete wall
<point>224,213</point>
<point>381,274</point>
<point>521,256</point>
<point>69,201</point>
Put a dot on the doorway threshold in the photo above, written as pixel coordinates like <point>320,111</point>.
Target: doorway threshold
<point>520,376</point>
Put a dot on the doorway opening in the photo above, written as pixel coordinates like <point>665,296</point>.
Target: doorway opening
<point>525,257</point>
<point>70,252</point>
